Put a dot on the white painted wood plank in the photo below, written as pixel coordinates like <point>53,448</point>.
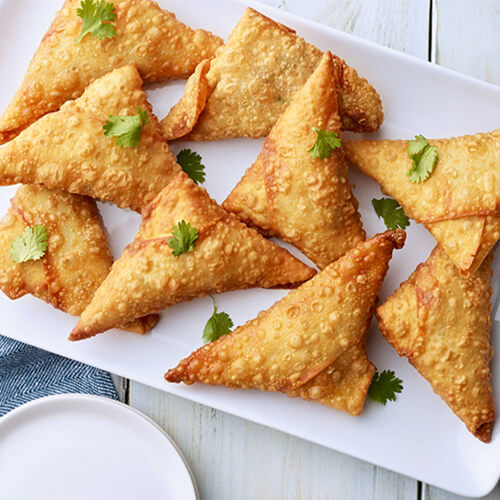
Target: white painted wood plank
<point>235,459</point>
<point>466,38</point>
<point>399,24</point>
<point>121,386</point>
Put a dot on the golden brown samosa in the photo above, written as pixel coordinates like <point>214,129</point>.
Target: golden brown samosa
<point>293,346</point>
<point>68,150</point>
<point>253,78</point>
<point>305,201</point>
<point>151,38</point>
<point>459,203</point>
<point>148,277</point>
<point>77,258</point>
<point>440,320</point>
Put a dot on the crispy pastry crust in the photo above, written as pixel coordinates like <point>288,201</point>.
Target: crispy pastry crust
<point>227,256</point>
<point>440,320</point>
<point>151,38</point>
<point>298,344</point>
<point>459,203</point>
<point>77,259</point>
<point>307,202</point>
<point>253,78</point>
<point>68,149</point>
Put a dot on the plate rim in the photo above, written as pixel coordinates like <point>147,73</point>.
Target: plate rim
<point>68,397</point>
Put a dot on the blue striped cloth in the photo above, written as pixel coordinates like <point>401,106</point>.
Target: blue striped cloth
<point>27,373</point>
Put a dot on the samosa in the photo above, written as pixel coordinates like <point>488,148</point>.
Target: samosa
<point>440,320</point>
<point>296,195</point>
<point>68,149</point>
<point>187,247</point>
<point>459,202</point>
<point>77,258</point>
<point>244,89</point>
<point>141,33</point>
<point>294,346</point>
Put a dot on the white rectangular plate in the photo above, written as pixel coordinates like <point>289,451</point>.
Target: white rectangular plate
<point>418,435</point>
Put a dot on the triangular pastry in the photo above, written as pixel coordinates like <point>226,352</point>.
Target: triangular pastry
<point>151,38</point>
<point>290,346</point>
<point>77,258</point>
<point>459,203</point>
<point>253,78</point>
<point>227,256</point>
<point>68,150</point>
<point>440,320</point>
<point>306,202</point>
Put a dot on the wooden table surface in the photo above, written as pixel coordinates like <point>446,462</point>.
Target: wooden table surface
<point>235,459</point>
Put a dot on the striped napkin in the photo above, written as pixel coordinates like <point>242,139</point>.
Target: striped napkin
<point>28,373</point>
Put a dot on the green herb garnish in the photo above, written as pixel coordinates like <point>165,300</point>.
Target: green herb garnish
<point>424,158</point>
<point>391,212</point>
<point>191,164</point>
<point>217,325</point>
<point>96,19</point>
<point>385,386</point>
<point>325,143</point>
<point>126,129</point>
<point>183,238</point>
<point>31,245</point>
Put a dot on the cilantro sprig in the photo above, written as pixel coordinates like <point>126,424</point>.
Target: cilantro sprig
<point>127,129</point>
<point>96,19</point>
<point>190,162</point>
<point>217,325</point>
<point>391,212</point>
<point>385,386</point>
<point>424,158</point>
<point>325,143</point>
<point>183,238</point>
<point>31,245</point>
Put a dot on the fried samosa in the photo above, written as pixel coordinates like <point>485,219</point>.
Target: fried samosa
<point>151,38</point>
<point>440,320</point>
<point>294,346</point>
<point>306,202</point>
<point>459,203</point>
<point>227,255</point>
<point>68,150</point>
<point>252,79</point>
<point>77,258</point>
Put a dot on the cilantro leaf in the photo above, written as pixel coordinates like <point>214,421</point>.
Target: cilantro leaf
<point>31,245</point>
<point>424,158</point>
<point>416,146</point>
<point>126,129</point>
<point>392,213</point>
<point>384,387</point>
<point>217,325</point>
<point>96,18</point>
<point>183,238</point>
<point>191,164</point>
<point>325,143</point>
